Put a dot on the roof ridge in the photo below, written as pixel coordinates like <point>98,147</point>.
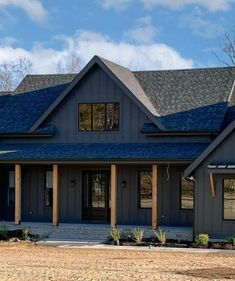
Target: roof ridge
<point>187,69</point>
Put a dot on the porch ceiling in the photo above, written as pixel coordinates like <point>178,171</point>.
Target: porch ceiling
<point>100,152</point>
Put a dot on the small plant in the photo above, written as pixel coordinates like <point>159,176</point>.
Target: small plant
<point>202,239</point>
<point>138,235</point>
<point>116,234</point>
<point>25,233</point>
<point>231,240</point>
<point>4,232</point>
<point>161,236</point>
<point>179,238</point>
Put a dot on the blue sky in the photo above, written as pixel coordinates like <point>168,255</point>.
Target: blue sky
<point>140,34</point>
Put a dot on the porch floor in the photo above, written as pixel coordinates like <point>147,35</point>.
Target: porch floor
<point>92,232</point>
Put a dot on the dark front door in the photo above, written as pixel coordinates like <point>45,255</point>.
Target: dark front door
<point>96,196</point>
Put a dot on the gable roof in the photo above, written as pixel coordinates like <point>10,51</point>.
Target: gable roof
<point>37,82</point>
<point>19,112</point>
<point>192,99</point>
<point>123,77</point>
<point>174,91</point>
<point>195,100</point>
<point>210,149</point>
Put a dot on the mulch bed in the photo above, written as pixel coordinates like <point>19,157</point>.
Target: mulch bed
<point>174,244</point>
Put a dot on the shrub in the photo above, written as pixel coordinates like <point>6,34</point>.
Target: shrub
<point>25,233</point>
<point>116,234</point>
<point>161,236</point>
<point>231,240</point>
<point>138,235</point>
<point>4,232</point>
<point>202,239</point>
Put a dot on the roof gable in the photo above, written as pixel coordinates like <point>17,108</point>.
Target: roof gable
<point>210,148</point>
<point>125,80</point>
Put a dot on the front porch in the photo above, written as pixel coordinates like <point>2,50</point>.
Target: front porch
<point>67,198</point>
<point>91,232</point>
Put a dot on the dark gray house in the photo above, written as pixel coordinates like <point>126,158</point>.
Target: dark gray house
<point>109,145</point>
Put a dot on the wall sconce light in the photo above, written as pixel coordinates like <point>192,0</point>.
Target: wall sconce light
<point>123,184</point>
<point>72,183</point>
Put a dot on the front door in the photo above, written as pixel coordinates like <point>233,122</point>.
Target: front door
<point>96,196</point>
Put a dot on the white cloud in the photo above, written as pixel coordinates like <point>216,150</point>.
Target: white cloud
<point>201,26</point>
<point>117,5</point>
<point>144,32</point>
<point>33,8</point>
<point>212,5</point>
<point>87,44</point>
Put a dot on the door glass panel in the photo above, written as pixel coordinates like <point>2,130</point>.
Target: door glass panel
<point>98,190</point>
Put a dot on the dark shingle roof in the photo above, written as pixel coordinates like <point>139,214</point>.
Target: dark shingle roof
<point>36,82</point>
<point>176,91</point>
<point>19,112</point>
<point>101,151</point>
<point>193,99</point>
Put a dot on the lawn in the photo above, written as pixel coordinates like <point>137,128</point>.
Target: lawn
<point>25,261</point>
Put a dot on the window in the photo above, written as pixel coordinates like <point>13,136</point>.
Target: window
<point>187,193</point>
<point>229,199</point>
<point>99,117</point>
<point>11,188</point>
<point>49,189</point>
<point>145,189</point>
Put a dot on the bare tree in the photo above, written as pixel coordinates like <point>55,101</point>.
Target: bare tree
<point>228,49</point>
<point>12,72</point>
<point>71,64</point>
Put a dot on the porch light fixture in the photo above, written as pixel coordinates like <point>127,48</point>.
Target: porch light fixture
<point>123,184</point>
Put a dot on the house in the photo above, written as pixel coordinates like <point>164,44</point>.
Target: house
<point>153,148</point>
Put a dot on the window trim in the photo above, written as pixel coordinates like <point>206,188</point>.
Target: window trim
<point>10,187</point>
<point>139,192</point>
<point>180,198</point>
<point>105,106</point>
<point>45,188</point>
<point>225,178</point>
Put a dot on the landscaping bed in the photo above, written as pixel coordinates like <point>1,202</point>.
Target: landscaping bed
<point>136,238</point>
<point>17,235</point>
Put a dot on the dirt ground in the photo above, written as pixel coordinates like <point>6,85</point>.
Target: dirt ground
<point>30,262</point>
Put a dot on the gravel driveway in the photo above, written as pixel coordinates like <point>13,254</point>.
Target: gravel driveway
<point>28,262</point>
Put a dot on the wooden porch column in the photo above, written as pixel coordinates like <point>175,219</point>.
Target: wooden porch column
<point>55,195</point>
<point>212,185</point>
<point>113,195</point>
<point>17,194</point>
<point>154,196</point>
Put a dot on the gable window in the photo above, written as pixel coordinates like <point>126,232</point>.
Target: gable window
<point>145,189</point>
<point>187,194</point>
<point>11,188</point>
<point>229,199</point>
<point>49,189</point>
<point>98,117</point>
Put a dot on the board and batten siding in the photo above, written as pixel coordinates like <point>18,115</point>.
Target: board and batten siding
<point>70,196</point>
<point>169,212</point>
<point>209,211</point>
<point>97,87</point>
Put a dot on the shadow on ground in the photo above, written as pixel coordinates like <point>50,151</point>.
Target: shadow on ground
<point>211,273</point>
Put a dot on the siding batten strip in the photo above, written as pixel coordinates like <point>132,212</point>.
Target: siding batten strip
<point>55,195</point>
<point>17,194</point>
<point>154,196</point>
<point>212,185</point>
<point>113,195</point>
